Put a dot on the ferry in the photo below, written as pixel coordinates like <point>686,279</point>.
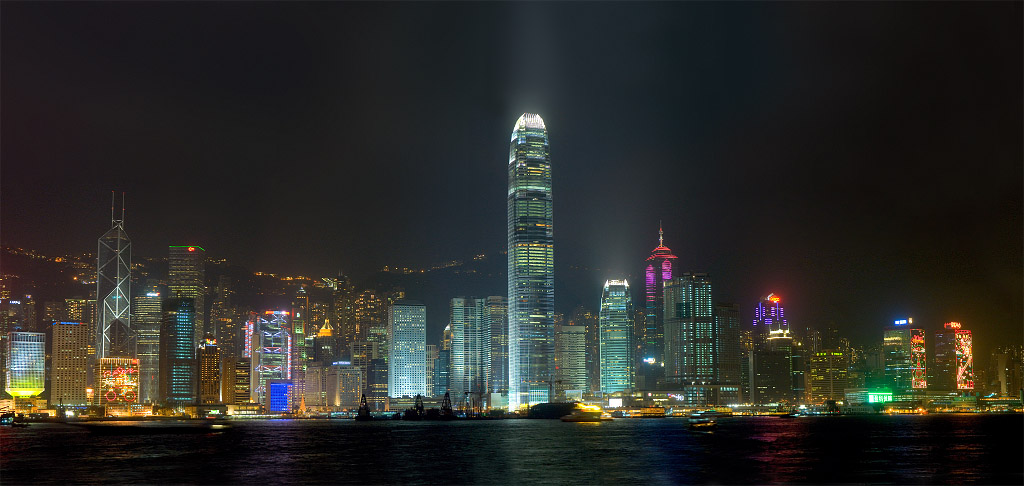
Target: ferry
<point>587,413</point>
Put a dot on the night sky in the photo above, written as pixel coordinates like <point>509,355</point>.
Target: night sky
<point>864,161</point>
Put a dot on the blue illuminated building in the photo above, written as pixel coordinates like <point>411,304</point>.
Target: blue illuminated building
<point>177,352</point>
<point>279,396</point>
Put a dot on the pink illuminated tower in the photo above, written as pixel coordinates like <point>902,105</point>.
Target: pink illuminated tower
<point>659,269</point>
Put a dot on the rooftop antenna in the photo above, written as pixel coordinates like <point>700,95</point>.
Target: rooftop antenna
<point>122,208</point>
<point>661,234</point>
<point>111,208</point>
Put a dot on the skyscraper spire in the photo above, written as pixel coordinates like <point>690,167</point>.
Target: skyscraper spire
<point>661,235</point>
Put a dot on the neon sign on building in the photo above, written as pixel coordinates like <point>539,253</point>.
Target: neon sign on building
<point>919,372</point>
<point>118,381</point>
<point>964,360</point>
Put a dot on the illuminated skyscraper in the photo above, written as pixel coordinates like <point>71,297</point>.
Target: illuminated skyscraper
<point>209,371</point>
<point>471,346</point>
<point>690,355</point>
<point>616,330</point>
<point>771,363</point>
<point>497,315</point>
<point>587,319</point>
<point>943,367</point>
<point>570,362</point>
<point>904,350</point>
<point>407,337</point>
<point>828,370</point>
<point>727,343</point>
<point>770,319</point>
<point>69,355</point>
<point>186,270</point>
<point>114,337</point>
<point>659,269</point>
<point>954,356</point>
<point>147,311</point>
<point>25,364</point>
<point>271,352</point>
<point>300,307</point>
<point>531,263</point>
<point>177,353</point>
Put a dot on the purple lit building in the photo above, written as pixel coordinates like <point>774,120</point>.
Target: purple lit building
<point>651,344</point>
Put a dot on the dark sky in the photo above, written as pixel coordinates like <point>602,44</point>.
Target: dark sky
<point>862,160</point>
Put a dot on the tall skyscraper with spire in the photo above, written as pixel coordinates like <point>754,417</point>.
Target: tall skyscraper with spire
<point>114,336</point>
<point>531,264</point>
<point>660,269</point>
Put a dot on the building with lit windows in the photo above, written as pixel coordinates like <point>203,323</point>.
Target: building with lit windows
<point>587,319</point>
<point>943,369</point>
<point>186,270</point>
<point>407,338</point>
<point>531,264</point>
<point>69,363</point>
<point>727,344</point>
<point>770,364</point>
<point>616,330</point>
<point>25,364</point>
<point>147,312</point>
<point>659,269</point>
<point>177,353</point>
<point>904,353</point>
<point>114,337</point>
<point>471,346</point>
<point>300,307</point>
<point>497,316</point>
<point>271,351</point>
<point>345,386</point>
<point>828,375</point>
<point>689,330</point>
<point>209,371</point>
<point>570,362</point>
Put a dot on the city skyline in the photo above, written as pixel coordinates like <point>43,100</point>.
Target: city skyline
<point>776,159</point>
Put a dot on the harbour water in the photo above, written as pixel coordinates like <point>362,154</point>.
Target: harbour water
<point>905,449</point>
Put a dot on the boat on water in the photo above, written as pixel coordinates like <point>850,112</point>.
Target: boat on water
<point>703,420</point>
<point>9,419</point>
<point>652,412</point>
<point>587,413</point>
<point>139,427</point>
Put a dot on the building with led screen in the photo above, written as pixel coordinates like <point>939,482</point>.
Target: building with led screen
<point>25,364</point>
<point>117,384</point>
<point>279,395</point>
<point>616,330</point>
<point>531,263</point>
<point>660,269</point>
<point>271,351</point>
<point>964,360</point>
<point>114,337</point>
<point>918,360</point>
